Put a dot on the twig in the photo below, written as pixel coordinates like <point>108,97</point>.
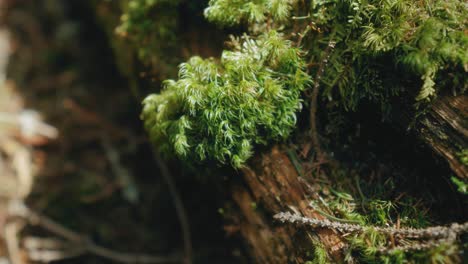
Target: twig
<point>11,238</point>
<point>300,17</point>
<point>19,209</point>
<point>313,100</point>
<point>418,246</point>
<point>429,232</point>
<point>333,218</point>
<point>434,235</point>
<point>302,35</point>
<point>179,206</point>
<point>49,255</point>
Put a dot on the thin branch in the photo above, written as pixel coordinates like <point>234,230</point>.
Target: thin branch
<point>19,209</point>
<point>417,246</point>
<point>314,96</point>
<point>129,258</point>
<point>429,232</point>
<point>179,206</point>
<point>434,235</point>
<point>300,17</point>
<point>302,35</point>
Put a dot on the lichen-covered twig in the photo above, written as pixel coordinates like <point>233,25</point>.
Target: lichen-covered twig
<point>430,232</point>
<point>435,235</point>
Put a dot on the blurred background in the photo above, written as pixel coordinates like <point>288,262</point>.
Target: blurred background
<point>75,164</point>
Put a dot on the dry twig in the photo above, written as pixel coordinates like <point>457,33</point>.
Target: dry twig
<point>434,236</point>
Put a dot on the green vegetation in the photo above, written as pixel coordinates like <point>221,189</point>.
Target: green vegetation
<point>376,229</point>
<point>229,12</point>
<point>150,26</point>
<point>385,48</point>
<point>462,186</point>
<point>218,111</point>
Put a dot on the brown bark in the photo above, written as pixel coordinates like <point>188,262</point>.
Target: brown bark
<point>445,130</point>
<point>274,185</point>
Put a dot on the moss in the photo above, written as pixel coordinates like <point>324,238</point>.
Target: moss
<point>462,185</point>
<point>374,208</point>
<point>218,111</point>
<point>381,54</point>
<point>319,253</point>
<point>390,48</point>
<point>463,156</point>
<point>151,27</point>
<point>228,12</point>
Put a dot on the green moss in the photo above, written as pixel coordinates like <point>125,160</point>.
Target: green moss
<point>151,26</point>
<point>385,50</point>
<point>218,111</point>
<point>320,255</point>
<point>462,185</point>
<point>390,48</point>
<point>372,246</point>
<point>231,12</point>
<point>463,156</point>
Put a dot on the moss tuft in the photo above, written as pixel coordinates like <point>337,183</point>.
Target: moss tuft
<point>218,111</point>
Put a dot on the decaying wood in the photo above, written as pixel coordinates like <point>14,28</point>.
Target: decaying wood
<point>274,185</point>
<point>445,130</point>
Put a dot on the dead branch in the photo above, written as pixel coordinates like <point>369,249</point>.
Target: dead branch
<point>431,236</point>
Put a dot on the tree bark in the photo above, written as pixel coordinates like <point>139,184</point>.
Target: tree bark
<point>273,185</point>
<point>444,129</point>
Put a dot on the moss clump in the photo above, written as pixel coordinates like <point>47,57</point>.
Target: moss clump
<point>151,27</point>
<point>217,111</point>
<point>229,12</point>
<point>388,48</point>
<point>384,49</point>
